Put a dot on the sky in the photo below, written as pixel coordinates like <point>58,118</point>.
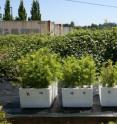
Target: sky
<point>63,11</point>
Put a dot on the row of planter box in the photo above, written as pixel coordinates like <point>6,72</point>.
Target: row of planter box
<point>71,97</point>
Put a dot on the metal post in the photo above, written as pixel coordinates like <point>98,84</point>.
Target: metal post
<point>11,12</point>
<point>0,14</point>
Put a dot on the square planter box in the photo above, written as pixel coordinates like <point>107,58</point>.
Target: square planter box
<point>36,98</point>
<point>77,97</point>
<point>108,96</point>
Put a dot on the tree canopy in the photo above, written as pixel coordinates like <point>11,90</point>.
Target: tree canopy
<point>35,11</point>
<point>7,14</point>
<point>22,11</point>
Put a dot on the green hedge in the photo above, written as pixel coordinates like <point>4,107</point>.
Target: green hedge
<point>101,44</point>
<point>13,47</point>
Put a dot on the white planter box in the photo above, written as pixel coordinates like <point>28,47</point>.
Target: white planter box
<point>108,96</point>
<point>77,97</point>
<point>36,98</point>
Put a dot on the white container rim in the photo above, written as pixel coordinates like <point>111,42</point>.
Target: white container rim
<point>36,88</point>
<point>100,86</point>
<point>80,87</point>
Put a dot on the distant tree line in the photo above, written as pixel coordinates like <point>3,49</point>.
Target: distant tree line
<point>22,14</point>
<point>72,24</point>
<point>98,26</point>
<point>92,26</point>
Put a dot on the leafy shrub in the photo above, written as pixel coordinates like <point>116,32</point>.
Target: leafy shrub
<point>101,44</point>
<point>88,70</point>
<point>108,75</point>
<point>3,118</point>
<point>78,72</point>
<point>71,72</point>
<point>15,46</point>
<point>39,69</point>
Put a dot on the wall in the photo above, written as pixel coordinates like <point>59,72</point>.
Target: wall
<point>52,28</point>
<point>57,29</point>
<point>67,30</point>
<point>26,27</point>
<point>19,27</point>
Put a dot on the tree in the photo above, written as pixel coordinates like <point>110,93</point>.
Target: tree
<point>16,18</point>
<point>35,11</point>
<point>22,11</point>
<point>94,26</point>
<point>7,14</point>
<point>38,10</point>
<point>72,24</point>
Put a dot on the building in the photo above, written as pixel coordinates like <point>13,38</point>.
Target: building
<point>27,27</point>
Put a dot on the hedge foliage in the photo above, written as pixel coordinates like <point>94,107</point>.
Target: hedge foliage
<point>14,47</point>
<point>101,44</point>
